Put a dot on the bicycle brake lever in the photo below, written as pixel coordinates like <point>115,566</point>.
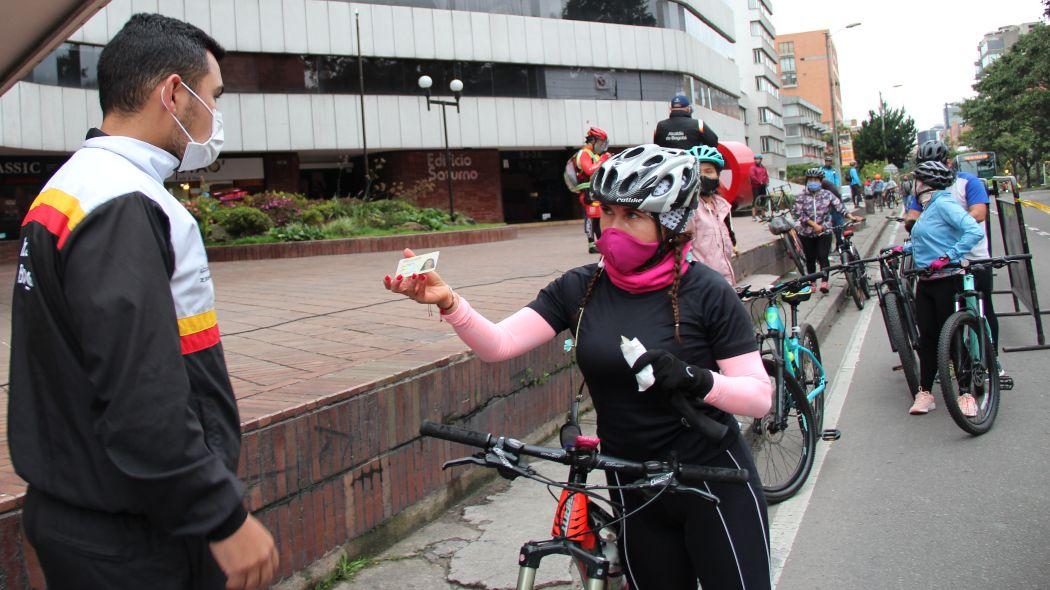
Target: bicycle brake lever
<point>698,492</point>
<point>475,459</point>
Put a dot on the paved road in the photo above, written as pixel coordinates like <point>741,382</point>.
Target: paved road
<point>914,502</point>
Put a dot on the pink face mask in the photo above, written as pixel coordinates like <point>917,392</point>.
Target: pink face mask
<point>623,252</point>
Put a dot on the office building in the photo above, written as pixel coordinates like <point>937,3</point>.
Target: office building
<point>805,131</point>
<point>996,43</point>
<point>536,74</point>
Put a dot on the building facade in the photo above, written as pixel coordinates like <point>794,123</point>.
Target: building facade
<point>536,74</point>
<point>996,43</point>
<point>954,123</point>
<point>760,83</point>
<point>937,132</point>
<point>805,131</point>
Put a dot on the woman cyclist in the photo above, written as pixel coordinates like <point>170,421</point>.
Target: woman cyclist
<point>813,209</point>
<point>944,233</point>
<point>700,343</point>
<point>710,225</point>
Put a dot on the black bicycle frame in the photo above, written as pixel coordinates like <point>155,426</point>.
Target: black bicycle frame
<point>893,282</point>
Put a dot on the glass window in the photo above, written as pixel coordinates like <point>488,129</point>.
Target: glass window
<point>792,131</point>
<point>760,5</point>
<point>786,48</point>
<point>769,116</point>
<point>763,58</point>
<point>789,79</point>
<point>772,145</point>
<point>763,84</point>
<point>759,30</point>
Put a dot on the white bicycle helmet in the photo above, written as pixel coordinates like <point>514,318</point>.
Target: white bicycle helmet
<point>660,181</point>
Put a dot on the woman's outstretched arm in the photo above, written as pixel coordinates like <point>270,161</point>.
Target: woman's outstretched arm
<point>513,336</point>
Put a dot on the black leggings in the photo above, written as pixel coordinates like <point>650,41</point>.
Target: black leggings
<point>681,539</point>
<point>815,250</point>
<point>934,303</point>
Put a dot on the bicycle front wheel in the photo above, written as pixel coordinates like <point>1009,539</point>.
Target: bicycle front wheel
<point>794,249</point>
<point>901,341</point>
<point>809,374</point>
<point>966,365</point>
<point>783,445</point>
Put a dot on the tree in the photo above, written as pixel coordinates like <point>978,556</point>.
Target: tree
<point>1011,113</point>
<point>887,135</point>
<point>621,12</point>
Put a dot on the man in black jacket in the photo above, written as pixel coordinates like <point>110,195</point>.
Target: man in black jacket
<point>680,130</point>
<point>121,414</point>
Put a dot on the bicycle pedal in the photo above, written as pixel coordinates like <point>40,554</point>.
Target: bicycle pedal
<point>831,434</point>
<point>1006,383</point>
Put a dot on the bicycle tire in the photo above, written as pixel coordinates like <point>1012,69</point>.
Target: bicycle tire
<point>795,253</point>
<point>807,370</point>
<point>757,432</point>
<point>900,340</point>
<point>861,273</point>
<point>954,365</point>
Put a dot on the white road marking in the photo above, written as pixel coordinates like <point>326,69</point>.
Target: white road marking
<point>784,527</point>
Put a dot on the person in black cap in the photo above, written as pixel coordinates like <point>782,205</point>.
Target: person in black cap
<point>680,130</point>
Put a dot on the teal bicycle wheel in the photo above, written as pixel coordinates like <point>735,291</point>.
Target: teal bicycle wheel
<point>783,446</point>
<point>967,366</point>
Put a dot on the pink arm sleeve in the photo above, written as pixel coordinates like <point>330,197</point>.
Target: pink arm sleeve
<point>742,387</point>
<point>515,335</point>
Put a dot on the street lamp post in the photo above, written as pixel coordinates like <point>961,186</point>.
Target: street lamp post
<point>831,89</point>
<point>361,95</point>
<point>456,86</point>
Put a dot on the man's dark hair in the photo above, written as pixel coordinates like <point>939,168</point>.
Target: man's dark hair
<point>148,49</point>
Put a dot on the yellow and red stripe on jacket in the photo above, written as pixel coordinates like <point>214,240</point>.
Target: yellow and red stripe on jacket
<point>198,332</point>
<point>57,211</point>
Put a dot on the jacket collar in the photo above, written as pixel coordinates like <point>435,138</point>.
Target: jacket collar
<point>152,160</point>
<point>681,114</point>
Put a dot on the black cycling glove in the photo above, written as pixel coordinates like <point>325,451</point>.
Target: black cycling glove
<point>673,375</point>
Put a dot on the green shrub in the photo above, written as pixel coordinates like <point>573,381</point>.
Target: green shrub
<point>331,209</point>
<point>312,217</point>
<point>245,221</point>
<point>341,227</point>
<point>297,232</point>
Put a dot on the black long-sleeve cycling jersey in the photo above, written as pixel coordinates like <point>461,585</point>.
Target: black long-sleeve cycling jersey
<point>680,130</point>
<point>119,399</point>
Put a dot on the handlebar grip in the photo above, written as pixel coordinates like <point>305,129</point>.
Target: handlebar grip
<point>706,425</point>
<point>696,475</point>
<point>454,434</point>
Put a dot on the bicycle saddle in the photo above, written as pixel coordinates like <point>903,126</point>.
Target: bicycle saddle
<point>801,295</point>
<point>848,232</point>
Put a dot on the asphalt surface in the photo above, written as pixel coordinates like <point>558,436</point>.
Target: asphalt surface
<point>913,501</point>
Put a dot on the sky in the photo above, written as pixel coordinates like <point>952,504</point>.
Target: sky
<point>927,46</point>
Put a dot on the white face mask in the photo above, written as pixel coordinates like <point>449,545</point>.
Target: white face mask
<point>200,155</point>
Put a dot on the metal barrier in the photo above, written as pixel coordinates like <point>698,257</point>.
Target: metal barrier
<point>1015,241</point>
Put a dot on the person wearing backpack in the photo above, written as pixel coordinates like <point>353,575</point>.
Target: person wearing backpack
<point>578,171</point>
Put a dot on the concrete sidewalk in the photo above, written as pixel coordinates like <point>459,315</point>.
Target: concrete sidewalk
<point>475,545</point>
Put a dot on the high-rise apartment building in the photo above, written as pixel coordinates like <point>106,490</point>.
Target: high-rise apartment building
<point>998,42</point>
<point>760,83</point>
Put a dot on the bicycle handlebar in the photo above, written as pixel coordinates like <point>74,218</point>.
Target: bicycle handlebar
<point>691,475</point>
<point>964,264</point>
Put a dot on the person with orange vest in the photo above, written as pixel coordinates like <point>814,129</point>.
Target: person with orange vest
<point>584,163</point>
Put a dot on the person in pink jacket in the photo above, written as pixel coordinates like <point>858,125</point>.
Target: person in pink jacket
<point>714,242</point>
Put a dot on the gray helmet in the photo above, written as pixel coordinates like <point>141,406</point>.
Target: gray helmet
<point>934,174</point>
<point>660,181</point>
<point>933,149</point>
<point>815,173</point>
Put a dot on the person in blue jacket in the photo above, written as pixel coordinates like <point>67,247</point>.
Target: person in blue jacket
<point>943,234</point>
<point>855,185</point>
<point>831,175</point>
<point>970,192</point>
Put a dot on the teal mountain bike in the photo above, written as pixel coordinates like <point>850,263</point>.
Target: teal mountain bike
<point>783,442</point>
<point>967,359</point>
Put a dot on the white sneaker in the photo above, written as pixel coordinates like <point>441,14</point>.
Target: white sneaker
<point>923,404</point>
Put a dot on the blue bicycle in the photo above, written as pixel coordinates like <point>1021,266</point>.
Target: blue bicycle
<point>784,441</point>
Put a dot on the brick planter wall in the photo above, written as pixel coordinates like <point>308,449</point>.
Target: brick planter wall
<point>353,466</point>
<point>359,245</point>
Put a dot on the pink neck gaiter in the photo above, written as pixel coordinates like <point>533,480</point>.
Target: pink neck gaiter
<point>621,254</point>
